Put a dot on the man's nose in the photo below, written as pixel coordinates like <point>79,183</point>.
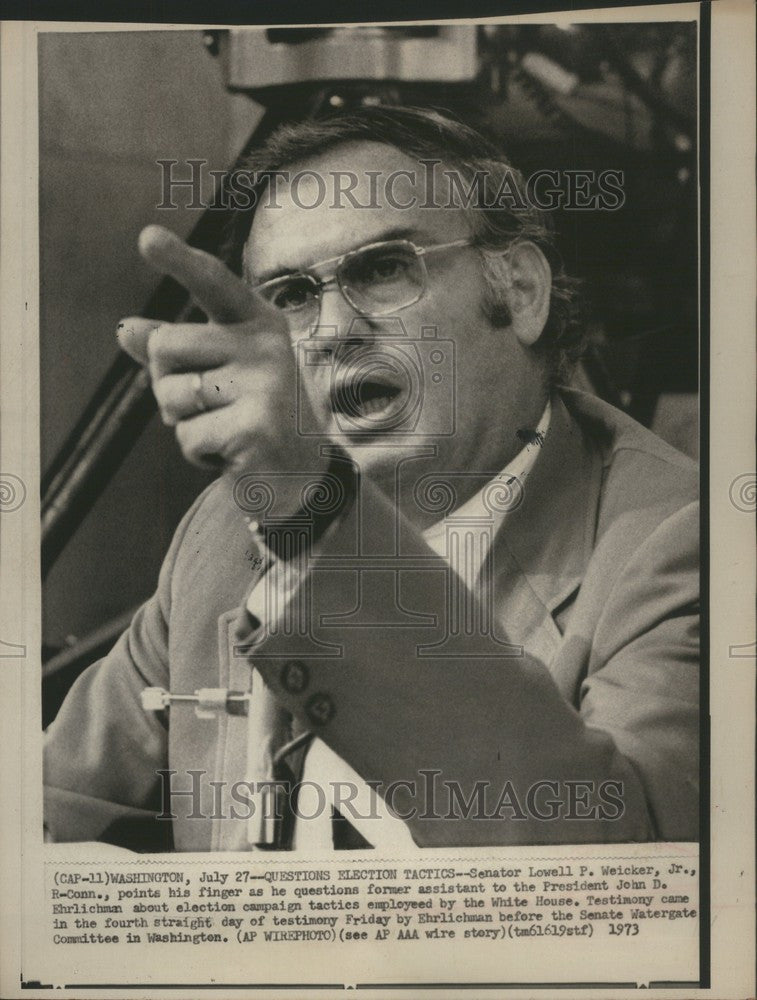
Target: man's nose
<point>342,320</point>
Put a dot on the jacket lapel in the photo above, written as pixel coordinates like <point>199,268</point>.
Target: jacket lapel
<point>540,553</point>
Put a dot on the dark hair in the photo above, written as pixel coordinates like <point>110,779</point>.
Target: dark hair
<point>429,135</point>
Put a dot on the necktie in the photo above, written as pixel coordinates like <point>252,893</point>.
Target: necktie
<point>269,730</point>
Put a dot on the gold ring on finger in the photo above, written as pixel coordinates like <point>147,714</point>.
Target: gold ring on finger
<point>197,392</point>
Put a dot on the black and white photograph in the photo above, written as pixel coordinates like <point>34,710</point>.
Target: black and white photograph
<point>375,484</point>
<point>432,342</point>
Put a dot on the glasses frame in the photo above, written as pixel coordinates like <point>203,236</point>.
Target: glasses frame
<point>336,267</point>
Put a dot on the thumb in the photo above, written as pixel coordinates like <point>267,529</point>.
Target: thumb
<point>133,334</point>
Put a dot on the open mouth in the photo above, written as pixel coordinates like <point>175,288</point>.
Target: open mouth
<point>367,398</point>
<point>370,391</point>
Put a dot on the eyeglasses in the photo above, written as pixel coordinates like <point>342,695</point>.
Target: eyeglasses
<point>376,280</point>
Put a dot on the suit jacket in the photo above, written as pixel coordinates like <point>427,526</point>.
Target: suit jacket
<point>589,673</point>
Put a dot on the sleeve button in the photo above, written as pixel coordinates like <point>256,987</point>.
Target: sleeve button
<point>320,708</point>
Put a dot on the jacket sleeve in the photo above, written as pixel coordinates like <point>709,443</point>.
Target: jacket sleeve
<point>476,747</point>
<point>642,685</point>
<point>102,752</point>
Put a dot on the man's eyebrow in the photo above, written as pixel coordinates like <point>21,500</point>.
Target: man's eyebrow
<point>395,233</point>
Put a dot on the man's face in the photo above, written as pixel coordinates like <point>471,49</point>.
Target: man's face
<point>437,375</point>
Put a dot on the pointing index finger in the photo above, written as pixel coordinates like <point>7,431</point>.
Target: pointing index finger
<point>222,295</point>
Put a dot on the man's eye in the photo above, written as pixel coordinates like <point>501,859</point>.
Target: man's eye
<point>295,294</point>
<point>378,268</point>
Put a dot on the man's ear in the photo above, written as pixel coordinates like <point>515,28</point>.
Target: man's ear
<point>529,287</point>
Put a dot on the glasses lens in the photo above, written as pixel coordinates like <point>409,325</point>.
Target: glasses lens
<point>297,295</point>
<point>382,278</point>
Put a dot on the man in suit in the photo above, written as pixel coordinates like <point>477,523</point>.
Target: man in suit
<point>458,600</point>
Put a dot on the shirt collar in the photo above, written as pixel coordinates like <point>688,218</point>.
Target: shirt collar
<point>512,478</point>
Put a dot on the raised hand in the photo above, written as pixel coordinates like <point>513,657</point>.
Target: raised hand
<point>228,386</point>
